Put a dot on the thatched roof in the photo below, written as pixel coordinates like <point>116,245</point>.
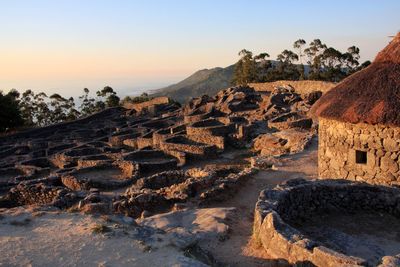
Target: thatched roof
<point>371,95</point>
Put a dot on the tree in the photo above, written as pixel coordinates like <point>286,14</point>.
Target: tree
<point>27,107</point>
<point>87,106</point>
<point>71,112</point>
<point>284,69</point>
<point>41,111</point>
<point>298,45</point>
<point>62,109</point>
<point>137,99</point>
<point>10,115</point>
<point>287,57</point>
<point>58,110</point>
<point>112,100</point>
<point>314,52</point>
<point>245,69</point>
<point>351,58</point>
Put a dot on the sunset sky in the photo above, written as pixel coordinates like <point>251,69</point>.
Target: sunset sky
<point>66,45</point>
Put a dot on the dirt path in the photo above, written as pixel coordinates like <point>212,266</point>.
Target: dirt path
<point>237,250</point>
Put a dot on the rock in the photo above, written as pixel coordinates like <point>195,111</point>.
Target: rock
<point>390,145</point>
<point>388,164</point>
<point>390,261</point>
<point>284,142</point>
<point>96,208</point>
<point>182,239</point>
<point>145,214</point>
<point>182,261</point>
<point>261,162</point>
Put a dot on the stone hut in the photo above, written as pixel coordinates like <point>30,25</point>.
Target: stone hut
<point>359,123</point>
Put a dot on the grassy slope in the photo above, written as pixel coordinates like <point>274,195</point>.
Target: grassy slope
<point>207,81</point>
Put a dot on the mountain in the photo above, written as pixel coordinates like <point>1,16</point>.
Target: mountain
<point>206,81</point>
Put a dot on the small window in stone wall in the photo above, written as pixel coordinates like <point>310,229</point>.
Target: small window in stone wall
<point>361,157</point>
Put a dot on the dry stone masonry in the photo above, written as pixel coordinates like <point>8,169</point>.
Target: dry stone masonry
<point>359,152</point>
<point>282,212</point>
<point>145,146</point>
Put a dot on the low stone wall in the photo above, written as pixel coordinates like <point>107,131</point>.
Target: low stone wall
<point>197,116</point>
<point>38,194</point>
<point>301,87</point>
<point>93,160</point>
<point>208,139</point>
<point>210,127</point>
<point>159,180</point>
<point>118,139</point>
<point>151,161</point>
<point>290,120</point>
<point>80,179</point>
<point>297,200</point>
<point>161,135</point>
<point>140,106</point>
<point>145,140</point>
<point>159,192</point>
<point>194,149</point>
<point>359,152</point>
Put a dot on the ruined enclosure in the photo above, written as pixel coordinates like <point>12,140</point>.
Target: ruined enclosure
<point>106,176</point>
<point>290,120</point>
<point>329,223</point>
<point>151,161</point>
<point>359,152</point>
<point>194,187</point>
<point>114,148</point>
<point>143,163</point>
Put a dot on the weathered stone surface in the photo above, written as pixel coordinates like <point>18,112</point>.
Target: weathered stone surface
<point>297,200</point>
<point>284,142</point>
<point>336,152</point>
<point>390,261</point>
<point>388,164</point>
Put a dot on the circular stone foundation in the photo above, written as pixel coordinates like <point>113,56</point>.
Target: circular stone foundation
<point>107,176</point>
<point>329,223</point>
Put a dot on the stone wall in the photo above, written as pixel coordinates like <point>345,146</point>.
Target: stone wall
<point>38,194</point>
<point>155,101</point>
<point>359,152</point>
<point>298,200</point>
<point>301,87</point>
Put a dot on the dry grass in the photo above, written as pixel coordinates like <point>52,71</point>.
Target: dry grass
<point>100,229</point>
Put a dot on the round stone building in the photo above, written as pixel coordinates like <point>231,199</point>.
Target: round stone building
<point>359,123</point>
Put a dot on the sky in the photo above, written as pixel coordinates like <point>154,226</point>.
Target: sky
<point>66,45</point>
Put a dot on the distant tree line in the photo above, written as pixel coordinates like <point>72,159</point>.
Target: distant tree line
<point>30,110</point>
<point>144,97</point>
<point>324,64</point>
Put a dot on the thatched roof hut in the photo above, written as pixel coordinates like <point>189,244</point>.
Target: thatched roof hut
<point>371,96</point>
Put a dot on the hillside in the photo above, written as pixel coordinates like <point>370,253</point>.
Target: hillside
<point>206,81</point>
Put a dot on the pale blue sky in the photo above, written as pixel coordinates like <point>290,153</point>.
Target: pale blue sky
<point>66,45</point>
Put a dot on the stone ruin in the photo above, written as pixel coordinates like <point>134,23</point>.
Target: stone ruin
<point>322,223</point>
<point>352,217</point>
<point>156,151</point>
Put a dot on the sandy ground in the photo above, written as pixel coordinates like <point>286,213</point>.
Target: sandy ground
<point>238,250</point>
<point>52,238</point>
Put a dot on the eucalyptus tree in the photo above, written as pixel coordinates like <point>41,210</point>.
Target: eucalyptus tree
<point>299,46</point>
